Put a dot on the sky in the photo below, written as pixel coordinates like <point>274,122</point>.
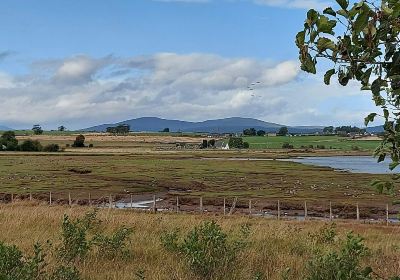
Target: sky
<point>82,63</point>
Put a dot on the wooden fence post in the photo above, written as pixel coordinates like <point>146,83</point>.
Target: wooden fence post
<point>233,206</point>
<point>224,206</point>
<point>131,201</point>
<point>201,204</point>
<point>250,206</point>
<point>279,210</point>
<point>110,201</point>
<point>69,199</point>
<point>12,198</point>
<point>387,214</point>
<point>50,199</point>
<point>90,199</point>
<point>154,204</point>
<point>330,211</point>
<point>30,196</point>
<point>177,204</point>
<point>305,210</point>
<point>358,213</point>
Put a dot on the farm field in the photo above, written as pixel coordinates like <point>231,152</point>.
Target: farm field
<point>275,249</point>
<point>329,142</point>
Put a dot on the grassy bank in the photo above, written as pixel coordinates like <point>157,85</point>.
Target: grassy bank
<point>275,248</point>
<point>328,142</point>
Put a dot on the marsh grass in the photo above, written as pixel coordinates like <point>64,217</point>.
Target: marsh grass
<point>276,249</point>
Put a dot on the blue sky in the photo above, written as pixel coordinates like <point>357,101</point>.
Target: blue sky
<point>80,63</point>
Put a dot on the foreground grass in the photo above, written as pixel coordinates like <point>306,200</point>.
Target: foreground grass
<point>274,246</point>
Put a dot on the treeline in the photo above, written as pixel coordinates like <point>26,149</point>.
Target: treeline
<point>9,142</point>
<point>343,129</point>
<point>282,131</point>
<point>121,129</point>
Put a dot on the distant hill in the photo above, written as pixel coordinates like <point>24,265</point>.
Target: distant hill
<point>375,129</point>
<point>2,127</point>
<point>227,125</point>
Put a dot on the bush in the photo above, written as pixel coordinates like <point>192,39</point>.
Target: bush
<point>320,147</point>
<point>66,273</point>
<point>286,145</point>
<point>8,141</point>
<point>15,266</point>
<point>31,146</point>
<point>114,245</point>
<point>91,145</point>
<point>51,148</point>
<point>79,141</point>
<point>74,237</point>
<point>206,249</point>
<point>237,143</point>
<point>344,264</point>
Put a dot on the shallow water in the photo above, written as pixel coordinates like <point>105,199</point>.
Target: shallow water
<point>353,164</point>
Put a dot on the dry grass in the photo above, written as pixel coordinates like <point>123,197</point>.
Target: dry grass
<point>274,246</point>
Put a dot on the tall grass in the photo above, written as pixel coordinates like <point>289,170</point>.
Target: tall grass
<point>276,249</point>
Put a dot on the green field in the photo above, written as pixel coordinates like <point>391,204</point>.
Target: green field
<point>329,142</point>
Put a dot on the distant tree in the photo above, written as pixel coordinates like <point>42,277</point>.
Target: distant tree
<point>250,132</point>
<point>37,129</point>
<point>31,146</point>
<point>62,128</point>
<point>328,129</point>
<point>204,144</point>
<point>79,141</point>
<point>237,143</point>
<point>283,131</point>
<point>121,129</point>
<point>8,141</point>
<point>261,133</point>
<point>211,143</point>
<point>165,129</point>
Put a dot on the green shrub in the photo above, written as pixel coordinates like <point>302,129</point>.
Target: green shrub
<point>286,145</point>
<point>74,236</point>
<point>31,146</point>
<point>51,148</point>
<point>206,249</point>
<point>15,266</point>
<point>114,245</point>
<point>322,147</point>
<point>343,265</point>
<point>65,273</point>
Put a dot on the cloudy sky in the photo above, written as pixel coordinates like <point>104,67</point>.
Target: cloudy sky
<point>81,63</point>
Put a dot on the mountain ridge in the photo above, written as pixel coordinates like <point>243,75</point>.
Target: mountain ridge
<point>224,125</point>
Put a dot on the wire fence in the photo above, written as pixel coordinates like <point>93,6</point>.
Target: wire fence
<point>270,208</point>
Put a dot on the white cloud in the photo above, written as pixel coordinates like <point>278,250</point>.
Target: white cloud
<point>81,91</point>
<point>300,4</point>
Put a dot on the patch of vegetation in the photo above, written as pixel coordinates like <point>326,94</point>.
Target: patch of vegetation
<point>206,249</point>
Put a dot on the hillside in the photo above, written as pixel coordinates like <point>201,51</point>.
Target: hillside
<point>2,127</point>
<point>227,125</point>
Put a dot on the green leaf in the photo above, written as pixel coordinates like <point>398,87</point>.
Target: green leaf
<point>362,20</point>
<point>343,4</point>
<point>393,165</point>
<point>326,25</point>
<point>329,11</point>
<point>308,64</point>
<point>312,16</point>
<point>300,37</point>
<point>324,44</point>
<point>369,118</point>
<point>343,13</point>
<point>328,75</point>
